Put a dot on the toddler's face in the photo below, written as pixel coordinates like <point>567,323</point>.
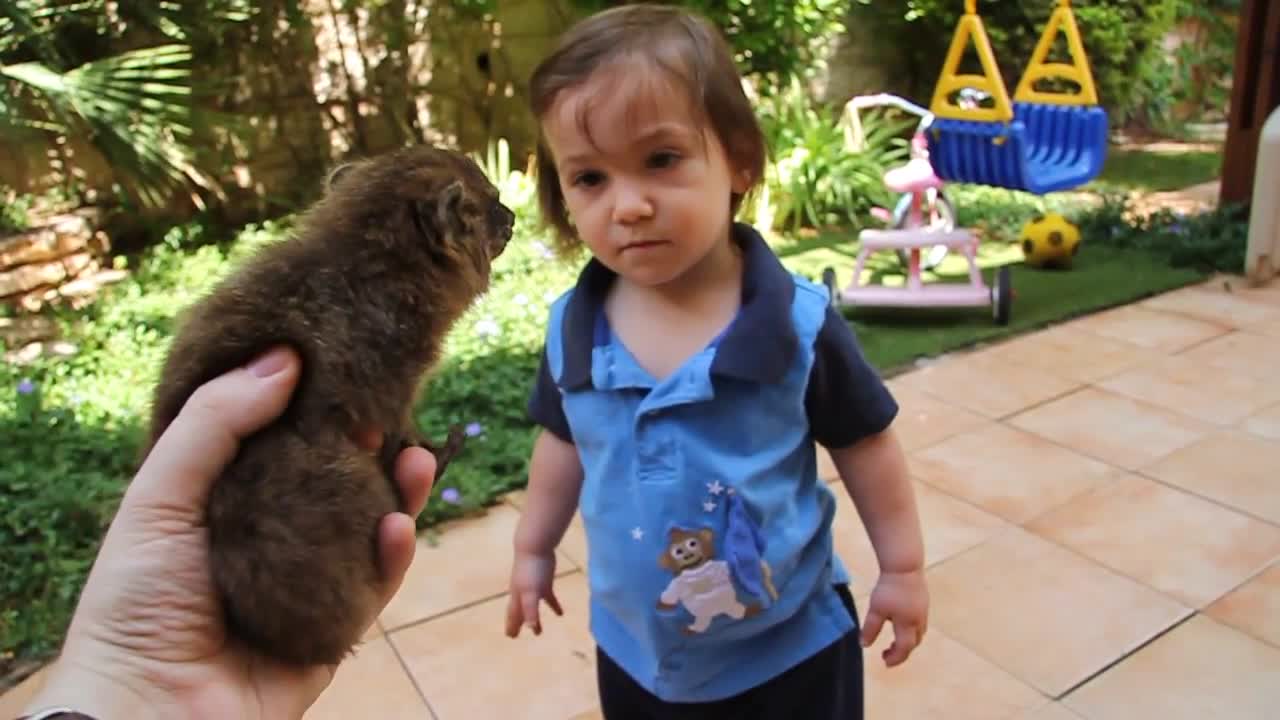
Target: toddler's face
<point>647,189</point>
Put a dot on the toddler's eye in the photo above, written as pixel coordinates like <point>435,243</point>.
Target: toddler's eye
<point>590,178</point>
<point>663,159</point>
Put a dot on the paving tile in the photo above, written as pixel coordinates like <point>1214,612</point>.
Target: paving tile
<point>1070,352</point>
<point>1189,548</point>
<point>986,385</point>
<point>942,679</point>
<point>924,420</point>
<point>468,668</point>
<point>1212,304</point>
<point>1110,427</point>
<point>1244,353</point>
<point>1200,669</point>
<point>371,684</point>
<point>15,700</point>
<point>1254,607</point>
<point>1042,612</point>
<point>1192,389</point>
<point>1009,472</point>
<point>1050,711</point>
<point>1264,423</point>
<point>1270,328</point>
<point>1164,331</point>
<point>949,527</point>
<point>1235,468</point>
<point>470,562</point>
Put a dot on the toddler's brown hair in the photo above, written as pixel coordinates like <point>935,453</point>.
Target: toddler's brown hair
<point>683,45</point>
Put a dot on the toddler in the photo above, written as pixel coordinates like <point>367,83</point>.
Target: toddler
<point>684,382</point>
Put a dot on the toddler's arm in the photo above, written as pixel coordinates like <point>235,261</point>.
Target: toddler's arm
<point>555,478</point>
<point>551,499</point>
<point>874,471</point>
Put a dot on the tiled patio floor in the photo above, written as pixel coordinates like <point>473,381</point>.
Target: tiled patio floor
<point>1101,504</point>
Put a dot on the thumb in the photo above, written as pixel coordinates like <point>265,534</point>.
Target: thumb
<point>205,435</point>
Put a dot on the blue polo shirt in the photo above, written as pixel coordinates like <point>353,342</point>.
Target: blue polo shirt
<point>711,568</point>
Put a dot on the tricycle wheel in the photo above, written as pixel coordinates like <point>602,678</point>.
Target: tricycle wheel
<point>829,279</point>
<point>1002,296</point>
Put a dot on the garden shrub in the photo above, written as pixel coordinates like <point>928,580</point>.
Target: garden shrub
<point>1211,241</point>
<point>776,38</point>
<point>14,210</point>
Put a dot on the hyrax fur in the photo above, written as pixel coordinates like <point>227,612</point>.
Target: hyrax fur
<point>366,291</point>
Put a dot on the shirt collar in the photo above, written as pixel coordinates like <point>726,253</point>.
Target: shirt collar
<point>759,346</point>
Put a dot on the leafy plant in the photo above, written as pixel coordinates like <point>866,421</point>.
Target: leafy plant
<point>815,178</point>
<point>1211,241</point>
<point>771,38</point>
<point>135,106</point>
<point>14,210</point>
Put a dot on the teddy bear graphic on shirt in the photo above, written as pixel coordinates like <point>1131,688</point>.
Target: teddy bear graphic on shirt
<point>703,583</point>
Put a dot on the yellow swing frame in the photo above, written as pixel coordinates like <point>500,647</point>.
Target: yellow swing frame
<point>991,82</point>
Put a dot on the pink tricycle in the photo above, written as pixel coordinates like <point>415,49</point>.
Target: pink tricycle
<point>916,241</point>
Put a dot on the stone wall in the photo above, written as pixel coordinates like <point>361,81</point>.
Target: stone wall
<point>62,260</point>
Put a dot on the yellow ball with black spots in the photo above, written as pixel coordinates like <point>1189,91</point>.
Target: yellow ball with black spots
<point>1050,242</point>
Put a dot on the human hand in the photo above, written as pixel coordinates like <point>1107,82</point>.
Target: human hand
<point>147,638</point>
<point>903,599</point>
<point>531,579</point>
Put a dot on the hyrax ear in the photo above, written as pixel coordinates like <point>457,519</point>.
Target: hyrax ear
<point>449,206</point>
<point>439,217</point>
<point>335,174</point>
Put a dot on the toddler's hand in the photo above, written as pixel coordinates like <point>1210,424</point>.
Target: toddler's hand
<point>902,599</point>
<point>531,577</point>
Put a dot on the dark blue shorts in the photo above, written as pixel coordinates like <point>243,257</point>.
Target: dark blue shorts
<point>827,686</point>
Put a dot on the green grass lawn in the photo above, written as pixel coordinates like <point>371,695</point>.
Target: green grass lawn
<point>1156,171</point>
<point>893,338</point>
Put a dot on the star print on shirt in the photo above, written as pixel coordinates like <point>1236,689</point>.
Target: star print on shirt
<point>715,488</point>
<point>637,533</point>
<point>709,505</point>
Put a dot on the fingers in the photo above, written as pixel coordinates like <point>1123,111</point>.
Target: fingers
<point>905,639</point>
<point>529,604</point>
<point>204,436</point>
<point>396,544</point>
<point>554,603</point>
<point>871,625</point>
<point>415,474</point>
<point>515,618</point>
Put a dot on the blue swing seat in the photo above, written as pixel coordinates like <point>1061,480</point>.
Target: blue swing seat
<point>1044,148</point>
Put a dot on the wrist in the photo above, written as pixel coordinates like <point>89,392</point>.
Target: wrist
<point>97,690</point>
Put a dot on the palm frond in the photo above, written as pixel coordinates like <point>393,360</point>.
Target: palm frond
<point>135,108</point>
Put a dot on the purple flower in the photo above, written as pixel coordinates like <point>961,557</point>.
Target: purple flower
<point>450,495</point>
<point>26,387</point>
<point>474,429</point>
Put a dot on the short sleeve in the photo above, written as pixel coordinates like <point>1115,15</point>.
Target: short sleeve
<point>545,404</point>
<point>846,399</point>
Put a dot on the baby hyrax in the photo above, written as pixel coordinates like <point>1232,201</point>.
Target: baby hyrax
<point>365,292</point>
